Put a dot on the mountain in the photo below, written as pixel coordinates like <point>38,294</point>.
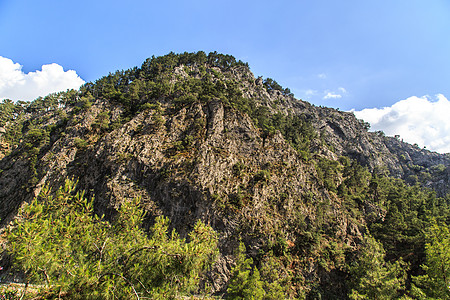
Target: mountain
<point>309,190</point>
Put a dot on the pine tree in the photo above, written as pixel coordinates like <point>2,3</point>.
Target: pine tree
<point>58,241</point>
<point>372,277</point>
<point>435,283</point>
<point>245,283</point>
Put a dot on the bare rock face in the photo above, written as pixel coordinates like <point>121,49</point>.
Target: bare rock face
<point>348,136</point>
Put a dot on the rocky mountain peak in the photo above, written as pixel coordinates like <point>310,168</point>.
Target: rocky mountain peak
<point>197,136</point>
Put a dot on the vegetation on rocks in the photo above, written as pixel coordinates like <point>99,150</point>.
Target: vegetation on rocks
<point>299,201</point>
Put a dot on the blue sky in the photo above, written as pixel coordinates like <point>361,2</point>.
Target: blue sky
<point>349,54</point>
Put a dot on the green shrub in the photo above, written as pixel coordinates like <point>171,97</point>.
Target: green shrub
<point>236,199</point>
<point>238,168</point>
<point>102,121</point>
<point>263,176</point>
<point>151,106</point>
<point>158,120</point>
<point>80,143</point>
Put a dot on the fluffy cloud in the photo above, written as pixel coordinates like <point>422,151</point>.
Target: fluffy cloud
<point>330,95</point>
<point>420,120</point>
<point>335,95</point>
<point>16,85</point>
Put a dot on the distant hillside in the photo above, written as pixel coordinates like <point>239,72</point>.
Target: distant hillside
<point>309,190</point>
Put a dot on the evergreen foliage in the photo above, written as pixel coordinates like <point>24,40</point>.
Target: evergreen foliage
<point>372,277</point>
<point>58,241</point>
<point>10,120</point>
<point>9,111</point>
<point>245,281</point>
<point>272,85</point>
<point>435,283</point>
<point>276,278</point>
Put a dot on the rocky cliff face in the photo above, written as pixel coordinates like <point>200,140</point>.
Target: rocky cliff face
<point>206,158</point>
<point>203,162</point>
<point>347,136</point>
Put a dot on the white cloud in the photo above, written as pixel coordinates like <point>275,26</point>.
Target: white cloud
<point>322,75</point>
<point>335,95</point>
<point>17,85</point>
<point>342,90</point>
<point>310,92</point>
<point>417,120</point>
<point>330,95</point>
